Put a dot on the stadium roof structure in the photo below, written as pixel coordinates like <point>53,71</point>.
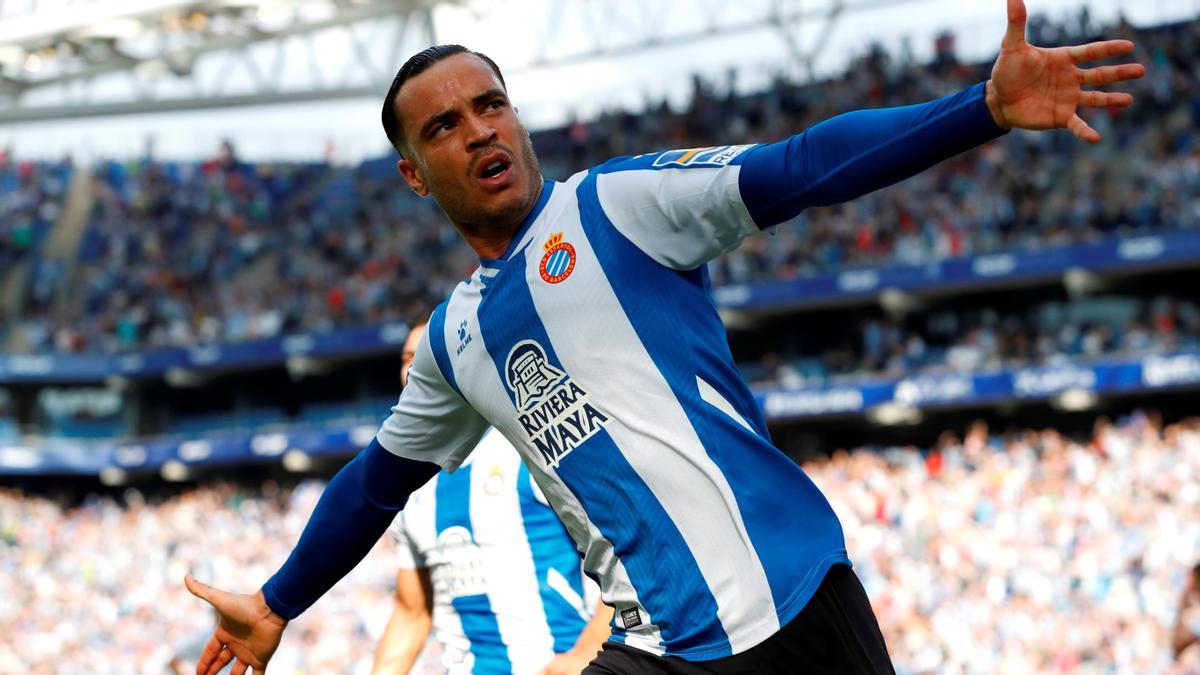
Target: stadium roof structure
<point>62,59</point>
<point>147,51</point>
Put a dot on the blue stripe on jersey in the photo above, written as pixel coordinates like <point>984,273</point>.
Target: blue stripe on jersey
<point>453,509</point>
<point>688,331</point>
<point>552,549</point>
<point>437,342</point>
<point>616,499</point>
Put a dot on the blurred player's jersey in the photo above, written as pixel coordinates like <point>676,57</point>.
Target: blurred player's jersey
<point>594,347</point>
<point>508,590</point>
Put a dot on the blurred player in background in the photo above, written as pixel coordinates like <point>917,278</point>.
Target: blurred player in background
<point>486,563</point>
<point>588,338</point>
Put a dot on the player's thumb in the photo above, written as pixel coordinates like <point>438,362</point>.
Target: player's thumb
<point>202,591</point>
<point>1015,35</point>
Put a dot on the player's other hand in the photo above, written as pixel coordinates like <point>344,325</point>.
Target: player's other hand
<point>567,663</point>
<point>1038,88</point>
<point>247,631</point>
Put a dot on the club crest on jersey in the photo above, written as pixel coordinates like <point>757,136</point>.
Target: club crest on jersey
<point>558,261</point>
<point>555,413</point>
<point>719,156</point>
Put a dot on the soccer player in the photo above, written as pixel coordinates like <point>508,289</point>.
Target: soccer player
<point>588,338</point>
<point>487,564</point>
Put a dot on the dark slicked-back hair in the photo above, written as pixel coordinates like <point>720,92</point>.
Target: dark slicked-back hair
<point>415,65</point>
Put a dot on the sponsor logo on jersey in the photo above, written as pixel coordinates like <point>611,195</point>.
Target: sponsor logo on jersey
<point>555,413</point>
<point>558,261</point>
<point>458,569</point>
<point>631,617</point>
<point>719,156</point>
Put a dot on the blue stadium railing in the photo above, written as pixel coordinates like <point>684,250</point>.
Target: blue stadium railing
<point>1130,375</point>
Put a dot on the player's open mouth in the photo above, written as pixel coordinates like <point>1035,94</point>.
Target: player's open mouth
<point>495,170</point>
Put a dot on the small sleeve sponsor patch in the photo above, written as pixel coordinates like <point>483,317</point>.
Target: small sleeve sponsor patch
<point>700,157</point>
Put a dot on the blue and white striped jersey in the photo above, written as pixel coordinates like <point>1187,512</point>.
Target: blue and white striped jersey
<point>594,347</point>
<point>508,589</point>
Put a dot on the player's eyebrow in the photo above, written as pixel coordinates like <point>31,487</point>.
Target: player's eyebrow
<point>438,118</point>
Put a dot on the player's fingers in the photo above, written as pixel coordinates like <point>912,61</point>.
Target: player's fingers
<point>223,660</point>
<point>1081,130</point>
<point>239,668</point>
<point>1015,35</point>
<point>212,649</point>
<point>1100,50</point>
<point>1105,99</point>
<point>1110,74</point>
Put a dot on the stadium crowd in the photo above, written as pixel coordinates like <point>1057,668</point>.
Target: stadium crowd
<point>1027,553</point>
<point>31,199</point>
<point>97,589</point>
<point>227,251</point>
<point>1012,554</point>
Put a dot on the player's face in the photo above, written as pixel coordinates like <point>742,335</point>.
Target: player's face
<point>468,148</point>
<point>410,350</point>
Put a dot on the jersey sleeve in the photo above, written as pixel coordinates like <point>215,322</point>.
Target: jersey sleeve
<point>431,422</point>
<point>686,207</point>
<point>681,207</point>
<point>407,555</point>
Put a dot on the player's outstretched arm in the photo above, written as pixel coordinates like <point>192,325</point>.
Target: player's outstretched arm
<point>1038,88</point>
<point>247,631</point>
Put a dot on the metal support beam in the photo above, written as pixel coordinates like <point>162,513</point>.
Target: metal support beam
<point>560,32</point>
<point>162,105</point>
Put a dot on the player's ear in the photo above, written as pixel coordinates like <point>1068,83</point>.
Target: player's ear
<point>412,176</point>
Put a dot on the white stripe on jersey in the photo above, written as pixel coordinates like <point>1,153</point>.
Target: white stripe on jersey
<point>514,599</point>
<point>716,400</point>
<point>701,229</point>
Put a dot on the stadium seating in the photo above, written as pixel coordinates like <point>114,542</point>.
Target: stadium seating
<point>280,249</point>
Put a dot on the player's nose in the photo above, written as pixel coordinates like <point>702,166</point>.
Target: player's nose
<point>480,132</point>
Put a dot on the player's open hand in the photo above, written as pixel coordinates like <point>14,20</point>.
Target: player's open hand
<point>1038,88</point>
<point>247,631</point>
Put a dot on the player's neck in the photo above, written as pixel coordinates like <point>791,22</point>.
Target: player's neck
<point>490,241</point>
